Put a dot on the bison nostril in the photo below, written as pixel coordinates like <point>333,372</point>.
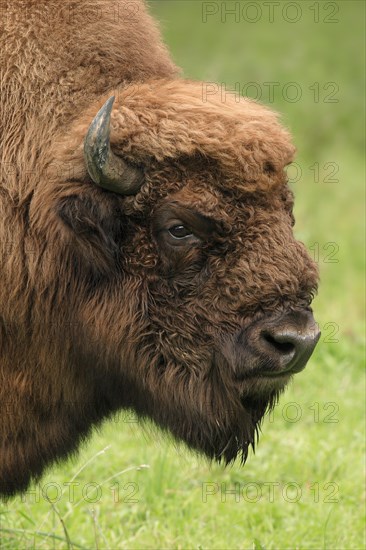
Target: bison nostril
<point>280,345</point>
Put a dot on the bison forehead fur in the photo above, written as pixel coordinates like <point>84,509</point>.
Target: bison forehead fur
<point>102,306</point>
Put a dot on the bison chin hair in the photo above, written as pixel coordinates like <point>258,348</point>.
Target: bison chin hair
<point>208,412</point>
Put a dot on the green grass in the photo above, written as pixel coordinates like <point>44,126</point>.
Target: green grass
<point>315,437</point>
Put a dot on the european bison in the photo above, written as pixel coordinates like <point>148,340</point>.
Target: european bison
<point>147,254</point>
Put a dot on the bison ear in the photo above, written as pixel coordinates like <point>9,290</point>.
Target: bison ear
<point>94,229</point>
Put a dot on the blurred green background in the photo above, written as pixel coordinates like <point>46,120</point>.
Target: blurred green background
<point>305,486</point>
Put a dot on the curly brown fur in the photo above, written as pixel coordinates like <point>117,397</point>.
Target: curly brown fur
<point>99,310</point>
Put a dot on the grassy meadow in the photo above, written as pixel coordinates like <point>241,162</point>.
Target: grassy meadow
<point>131,488</point>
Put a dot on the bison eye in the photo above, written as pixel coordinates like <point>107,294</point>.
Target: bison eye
<point>179,232</point>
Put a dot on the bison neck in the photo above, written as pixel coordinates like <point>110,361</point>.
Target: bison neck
<point>56,59</point>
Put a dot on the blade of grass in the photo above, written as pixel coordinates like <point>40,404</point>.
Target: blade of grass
<point>40,534</point>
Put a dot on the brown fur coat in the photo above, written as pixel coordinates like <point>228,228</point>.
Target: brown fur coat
<point>97,310</point>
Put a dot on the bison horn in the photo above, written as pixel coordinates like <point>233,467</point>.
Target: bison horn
<point>104,167</point>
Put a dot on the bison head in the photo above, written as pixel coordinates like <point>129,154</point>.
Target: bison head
<point>177,284</point>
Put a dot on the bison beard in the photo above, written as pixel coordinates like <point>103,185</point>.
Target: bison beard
<point>211,419</point>
<point>147,257</point>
